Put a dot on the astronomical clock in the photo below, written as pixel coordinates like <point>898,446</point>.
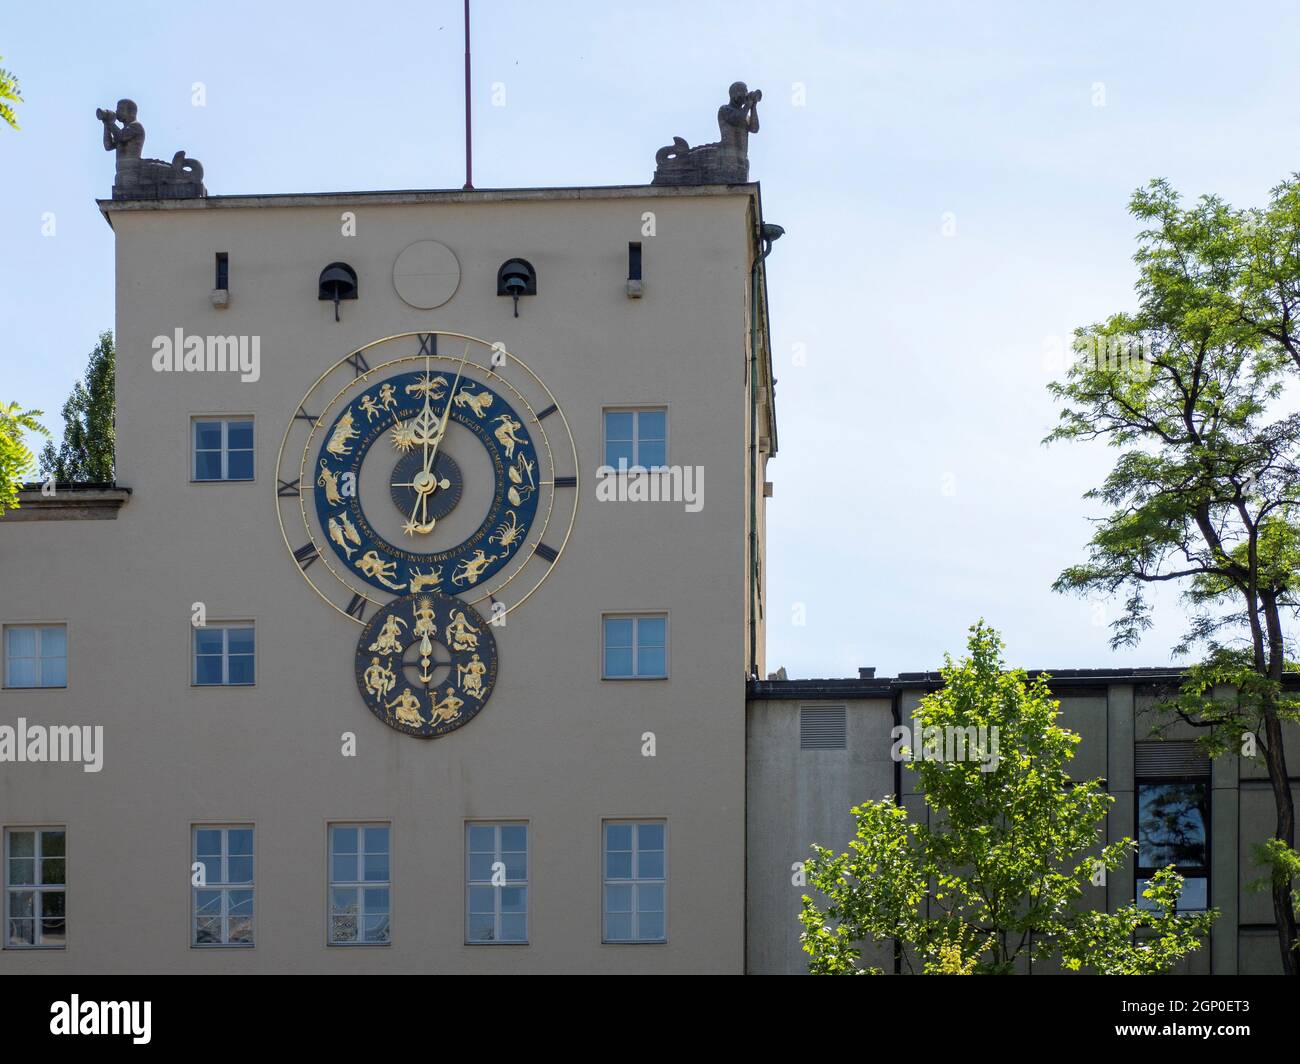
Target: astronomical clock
<point>426,486</point>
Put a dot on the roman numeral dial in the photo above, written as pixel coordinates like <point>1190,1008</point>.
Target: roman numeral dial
<point>429,462</point>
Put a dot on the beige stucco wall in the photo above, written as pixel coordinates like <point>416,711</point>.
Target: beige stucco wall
<point>556,745</point>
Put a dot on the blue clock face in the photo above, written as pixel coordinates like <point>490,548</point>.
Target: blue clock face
<point>398,428</point>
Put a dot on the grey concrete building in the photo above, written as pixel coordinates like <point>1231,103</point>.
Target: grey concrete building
<point>815,748</point>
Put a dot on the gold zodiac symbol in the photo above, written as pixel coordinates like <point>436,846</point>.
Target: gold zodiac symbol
<point>521,470</point>
<point>472,568</point>
<point>387,396</point>
<point>447,709</point>
<point>343,431</point>
<point>380,679</point>
<point>330,482</point>
<point>476,401</point>
<point>419,580</point>
<point>460,634</point>
<point>368,405</point>
<point>373,566</point>
<point>508,533</point>
<point>470,676</point>
<point>337,534</point>
<point>407,707</point>
<point>349,529</point>
<point>389,639</point>
<point>427,385</point>
<point>505,434</point>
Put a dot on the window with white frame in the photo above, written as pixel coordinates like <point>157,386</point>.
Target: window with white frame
<point>223,890</point>
<point>36,655</point>
<point>360,894</point>
<point>636,439</point>
<point>635,647</point>
<point>35,906</point>
<point>496,889</point>
<point>223,448</point>
<point>223,655</point>
<point>635,881</point>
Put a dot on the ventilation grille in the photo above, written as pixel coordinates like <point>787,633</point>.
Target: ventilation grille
<point>822,727</point>
<point>1170,759</point>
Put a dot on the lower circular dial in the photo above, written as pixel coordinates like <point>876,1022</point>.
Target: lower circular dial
<point>426,664</point>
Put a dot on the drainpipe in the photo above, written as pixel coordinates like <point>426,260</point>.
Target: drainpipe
<point>770,233</point>
<point>753,467</point>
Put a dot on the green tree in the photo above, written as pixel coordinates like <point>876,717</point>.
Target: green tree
<point>998,873</point>
<point>88,450</point>
<point>16,460</point>
<point>1191,390</point>
<point>9,95</point>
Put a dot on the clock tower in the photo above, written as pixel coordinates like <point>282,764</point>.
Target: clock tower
<point>426,623</point>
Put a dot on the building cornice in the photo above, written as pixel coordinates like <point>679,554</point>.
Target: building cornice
<point>1075,681</point>
<point>406,197</point>
<point>70,502</point>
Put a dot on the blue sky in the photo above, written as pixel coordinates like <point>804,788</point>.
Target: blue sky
<point>912,495</point>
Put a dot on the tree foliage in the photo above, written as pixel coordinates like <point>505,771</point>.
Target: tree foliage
<point>1193,389</point>
<point>9,95</point>
<point>997,873</point>
<point>87,452</point>
<point>16,459</point>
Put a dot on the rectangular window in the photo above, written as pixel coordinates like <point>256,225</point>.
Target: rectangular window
<point>360,898</point>
<point>1173,829</point>
<point>635,882</point>
<point>496,887</point>
<point>223,270</point>
<point>635,647</point>
<point>35,888</point>
<point>223,449</point>
<point>636,439</point>
<point>36,655</point>
<point>223,655</point>
<point>223,905</point>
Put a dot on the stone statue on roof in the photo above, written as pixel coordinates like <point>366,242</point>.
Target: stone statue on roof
<point>140,178</point>
<point>723,163</point>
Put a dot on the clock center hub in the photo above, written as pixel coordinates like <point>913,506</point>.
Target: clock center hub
<point>426,496</point>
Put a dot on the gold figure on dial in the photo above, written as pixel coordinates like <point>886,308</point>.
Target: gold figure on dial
<point>388,640</point>
<point>380,679</point>
<point>407,708</point>
<point>448,708</point>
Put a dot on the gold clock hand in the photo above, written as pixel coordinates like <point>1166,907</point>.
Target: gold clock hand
<point>424,482</point>
<point>446,413</point>
<point>443,483</point>
<point>425,415</point>
<point>421,504</point>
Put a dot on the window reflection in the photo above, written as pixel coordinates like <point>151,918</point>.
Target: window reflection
<point>1173,829</point>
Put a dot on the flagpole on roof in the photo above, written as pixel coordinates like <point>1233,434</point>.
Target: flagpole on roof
<point>469,140</point>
